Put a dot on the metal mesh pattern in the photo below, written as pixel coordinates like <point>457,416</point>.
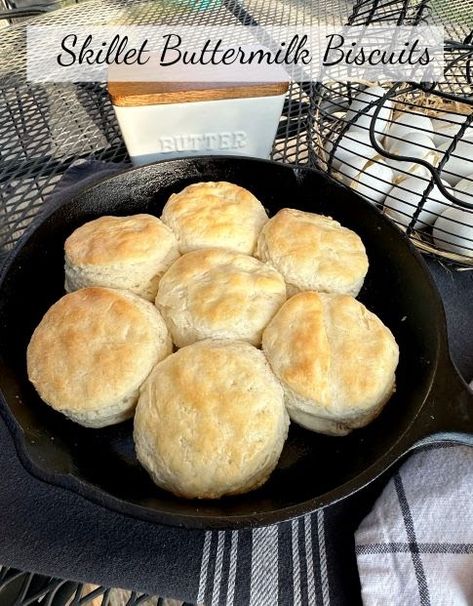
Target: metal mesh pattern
<point>293,12</point>
<point>356,154</point>
<point>19,588</point>
<point>421,176</point>
<point>396,12</point>
<point>44,128</point>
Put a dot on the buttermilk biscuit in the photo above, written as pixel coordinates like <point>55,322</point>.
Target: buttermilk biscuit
<point>211,420</point>
<point>335,359</point>
<point>92,351</point>
<point>215,215</point>
<point>216,293</point>
<point>120,252</point>
<point>313,252</point>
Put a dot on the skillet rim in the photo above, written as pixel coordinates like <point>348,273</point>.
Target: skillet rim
<point>94,494</point>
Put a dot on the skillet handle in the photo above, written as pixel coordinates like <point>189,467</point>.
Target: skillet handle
<point>447,416</point>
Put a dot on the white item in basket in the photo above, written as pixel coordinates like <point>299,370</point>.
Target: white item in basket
<point>361,122</point>
<point>371,179</point>
<point>460,163</point>
<point>414,145</point>
<point>351,145</point>
<point>447,125</point>
<point>403,200</point>
<point>407,123</point>
<point>453,231</point>
<point>463,190</point>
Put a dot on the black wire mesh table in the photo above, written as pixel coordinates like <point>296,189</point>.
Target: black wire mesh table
<point>44,129</point>
<point>18,588</point>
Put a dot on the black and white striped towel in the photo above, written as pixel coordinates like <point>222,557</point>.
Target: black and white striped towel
<point>414,548</point>
<point>283,564</point>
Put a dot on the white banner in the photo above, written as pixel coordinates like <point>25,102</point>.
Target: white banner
<point>235,53</point>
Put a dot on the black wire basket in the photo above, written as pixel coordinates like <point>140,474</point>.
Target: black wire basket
<point>407,148</point>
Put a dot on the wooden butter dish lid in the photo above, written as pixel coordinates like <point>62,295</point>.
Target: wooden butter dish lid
<point>128,94</point>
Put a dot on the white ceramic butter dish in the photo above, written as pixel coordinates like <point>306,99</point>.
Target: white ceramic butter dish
<point>161,120</point>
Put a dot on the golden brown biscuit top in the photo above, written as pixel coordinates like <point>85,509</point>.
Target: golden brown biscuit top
<point>220,398</point>
<point>91,346</point>
<point>215,214</point>
<point>219,286</point>
<point>331,349</point>
<point>307,244</point>
<point>111,239</point>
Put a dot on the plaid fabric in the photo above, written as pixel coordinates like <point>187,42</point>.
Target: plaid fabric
<point>416,545</point>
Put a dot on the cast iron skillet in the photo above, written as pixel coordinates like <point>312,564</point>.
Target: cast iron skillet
<point>314,470</point>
